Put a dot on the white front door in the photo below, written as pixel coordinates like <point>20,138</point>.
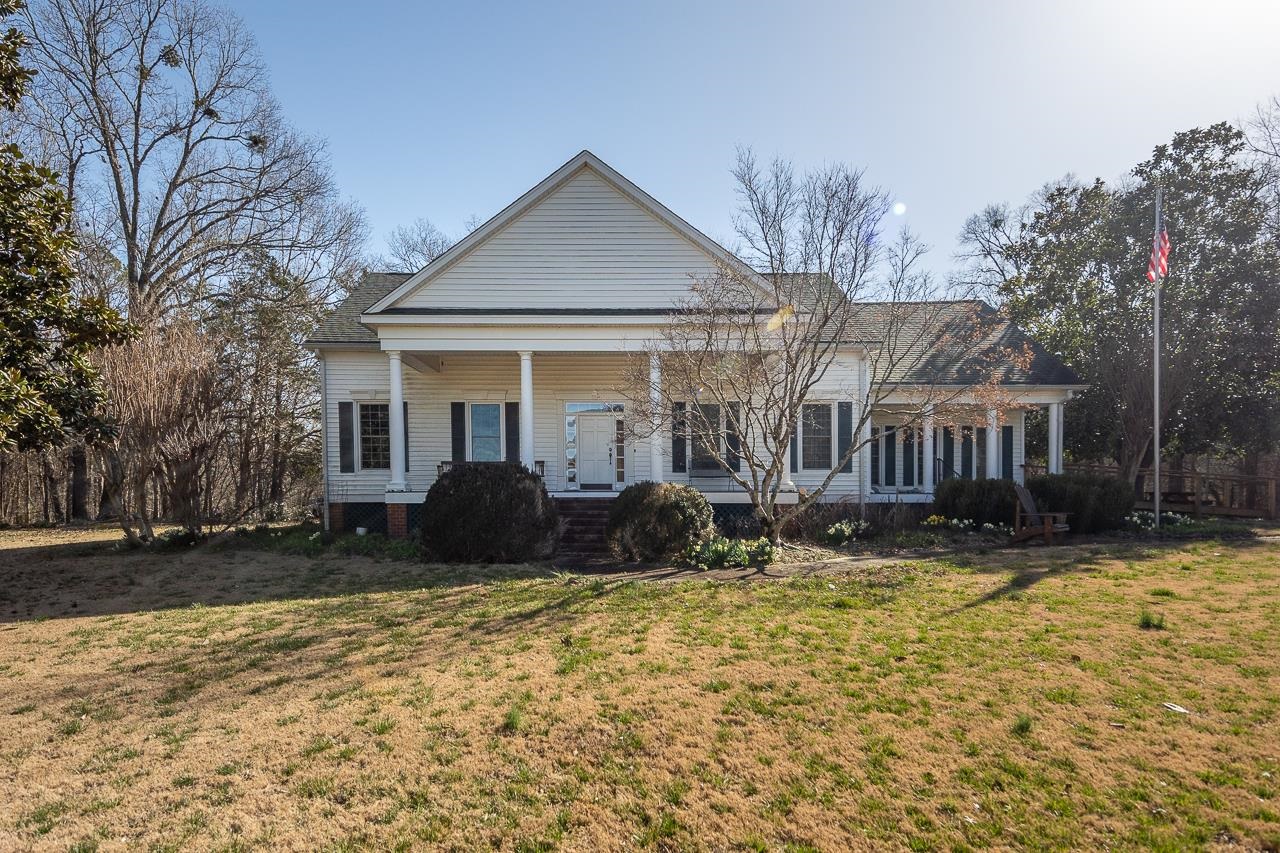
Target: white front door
<point>596,437</point>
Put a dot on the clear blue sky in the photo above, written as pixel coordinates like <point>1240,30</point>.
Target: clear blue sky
<point>448,110</point>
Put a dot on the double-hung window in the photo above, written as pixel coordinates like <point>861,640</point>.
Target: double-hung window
<point>816,437</point>
<point>486,432</point>
<point>375,436</point>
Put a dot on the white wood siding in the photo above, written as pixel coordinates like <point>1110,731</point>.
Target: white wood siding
<point>584,246</point>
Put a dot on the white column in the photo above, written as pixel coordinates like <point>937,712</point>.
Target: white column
<point>395,422</point>
<point>655,403</point>
<point>789,485</point>
<point>1055,438</point>
<point>993,444</point>
<point>1062,433</point>
<point>926,473</point>
<point>864,461</point>
<point>526,410</point>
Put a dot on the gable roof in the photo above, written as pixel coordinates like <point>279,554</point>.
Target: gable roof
<point>342,325</point>
<point>583,160</point>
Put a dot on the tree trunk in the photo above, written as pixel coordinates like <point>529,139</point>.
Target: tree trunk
<point>53,501</point>
<point>110,505</point>
<point>79,493</point>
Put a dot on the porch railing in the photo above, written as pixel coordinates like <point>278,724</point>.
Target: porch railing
<point>1194,492</point>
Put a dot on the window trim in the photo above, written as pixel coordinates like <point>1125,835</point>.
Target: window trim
<point>831,445</point>
<point>502,428</point>
<point>359,434</point>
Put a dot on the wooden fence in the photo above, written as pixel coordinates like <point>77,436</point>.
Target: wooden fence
<point>1196,493</point>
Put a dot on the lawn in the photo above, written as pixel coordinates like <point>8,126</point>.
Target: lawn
<point>233,697</point>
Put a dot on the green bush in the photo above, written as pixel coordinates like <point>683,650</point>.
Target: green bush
<point>1095,502</point>
<point>489,513</point>
<point>653,521</point>
<point>718,552</point>
<point>979,501</point>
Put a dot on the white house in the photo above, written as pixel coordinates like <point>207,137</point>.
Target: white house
<point>511,346</point>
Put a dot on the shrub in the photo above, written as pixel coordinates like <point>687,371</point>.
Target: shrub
<point>718,553</point>
<point>979,501</point>
<point>651,521</point>
<point>1095,502</point>
<point>489,513</point>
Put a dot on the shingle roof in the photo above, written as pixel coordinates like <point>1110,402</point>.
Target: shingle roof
<point>342,325</point>
<point>925,342</point>
<point>955,342</point>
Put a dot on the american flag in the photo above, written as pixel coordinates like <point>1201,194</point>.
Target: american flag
<point>1159,264</point>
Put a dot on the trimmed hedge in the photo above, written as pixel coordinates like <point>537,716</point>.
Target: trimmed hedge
<point>653,521</point>
<point>1096,502</point>
<point>495,512</point>
<point>979,501</point>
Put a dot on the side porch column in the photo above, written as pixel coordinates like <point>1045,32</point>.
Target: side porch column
<point>993,444</point>
<point>526,410</point>
<point>1054,465</point>
<point>926,472</point>
<point>864,461</point>
<point>395,422</point>
<point>655,404</point>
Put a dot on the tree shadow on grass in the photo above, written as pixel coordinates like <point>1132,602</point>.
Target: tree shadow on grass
<point>1028,567</point>
<point>99,579</point>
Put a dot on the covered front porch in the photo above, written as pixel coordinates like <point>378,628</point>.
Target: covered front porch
<point>396,419</point>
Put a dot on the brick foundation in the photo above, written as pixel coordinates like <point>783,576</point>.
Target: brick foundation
<point>398,521</point>
<point>336,519</point>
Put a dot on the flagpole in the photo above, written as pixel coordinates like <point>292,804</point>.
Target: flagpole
<point>1155,409</point>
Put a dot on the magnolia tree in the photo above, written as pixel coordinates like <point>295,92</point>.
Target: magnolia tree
<point>820,308</point>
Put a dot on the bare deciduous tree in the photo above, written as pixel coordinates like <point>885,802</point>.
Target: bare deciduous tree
<point>755,342</point>
<point>165,399</point>
<point>159,115</point>
<point>412,247</point>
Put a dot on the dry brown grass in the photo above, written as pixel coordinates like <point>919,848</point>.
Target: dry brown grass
<point>236,697</point>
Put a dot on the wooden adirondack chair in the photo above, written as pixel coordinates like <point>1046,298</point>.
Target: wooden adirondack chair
<point>1029,522</point>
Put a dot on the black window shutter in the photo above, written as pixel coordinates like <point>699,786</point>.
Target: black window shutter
<point>844,434</point>
<point>512,413</point>
<point>458,431</point>
<point>966,453</point>
<point>406,435</point>
<point>1006,451</point>
<point>948,454</point>
<point>909,457</point>
<point>980,452</point>
<point>678,463</point>
<point>795,449</point>
<point>890,456</point>
<point>346,438</point>
<point>733,438</point>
